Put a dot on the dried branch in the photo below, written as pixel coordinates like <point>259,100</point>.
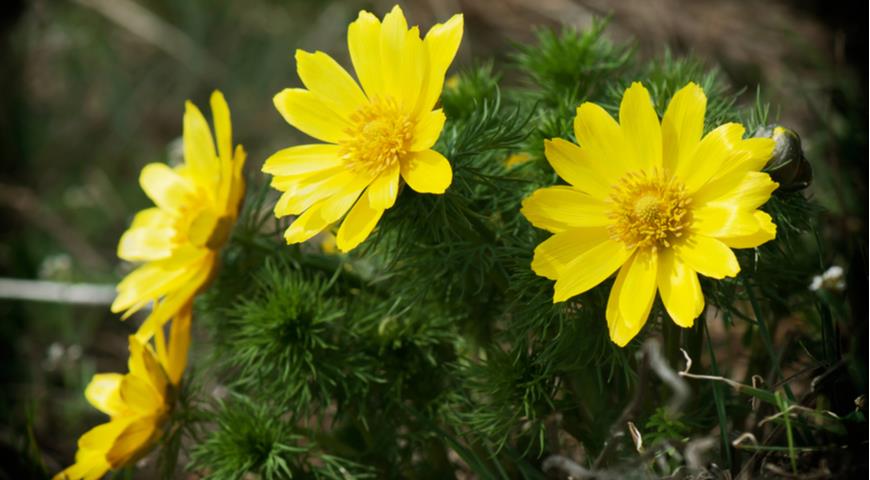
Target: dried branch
<point>141,22</point>
<point>44,291</point>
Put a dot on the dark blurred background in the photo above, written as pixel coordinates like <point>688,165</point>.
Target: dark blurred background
<point>92,90</point>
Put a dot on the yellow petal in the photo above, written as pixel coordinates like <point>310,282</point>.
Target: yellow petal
<point>428,130</point>
<point>292,184</point>
<point>174,301</point>
<point>297,200</point>
<point>413,70</point>
<point>179,342</point>
<point>441,43</point>
<point>160,347</point>
<point>306,225</point>
<point>282,183</point>
<point>427,172</point>
<point>751,155</point>
<point>638,288</point>
<point>590,268</point>
<point>723,220</point>
<point>357,225</point>
<point>154,279</point>
<point>143,363</point>
<point>560,208</point>
<point>166,188</point>
<point>393,32</point>
<point>237,185</point>
<point>708,256</point>
<point>145,244</point>
<point>620,331</point>
<point>766,231</point>
<point>747,192</point>
<point>329,81</point>
<point>631,297</point>
<point>311,115</point>
<point>715,150</point>
<point>364,44</point>
<point>133,442</point>
<point>384,189</point>
<point>199,151</point>
<point>607,152</point>
<point>220,113</point>
<point>682,126</point>
<point>139,395</point>
<point>101,437</point>
<point>152,218</point>
<point>336,206</point>
<point>303,159</point>
<point>641,128</point>
<point>145,284</point>
<point>90,465</point>
<point>103,392</point>
<point>680,289</point>
<point>574,165</point>
<point>557,252</point>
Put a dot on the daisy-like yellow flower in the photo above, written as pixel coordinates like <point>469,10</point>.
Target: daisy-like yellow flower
<point>138,404</point>
<point>654,198</point>
<point>373,135</point>
<point>179,239</point>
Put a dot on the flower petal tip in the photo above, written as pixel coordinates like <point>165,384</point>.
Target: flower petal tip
<point>216,96</point>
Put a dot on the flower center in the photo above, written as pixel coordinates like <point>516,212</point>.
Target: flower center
<point>380,134</point>
<point>650,210</point>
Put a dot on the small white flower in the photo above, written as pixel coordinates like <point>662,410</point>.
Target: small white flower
<point>833,280</point>
<point>53,355</point>
<point>55,352</point>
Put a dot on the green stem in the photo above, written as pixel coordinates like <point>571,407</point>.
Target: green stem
<point>671,332</point>
<point>765,336</point>
<point>830,339</point>
<point>789,435</point>
<point>719,400</point>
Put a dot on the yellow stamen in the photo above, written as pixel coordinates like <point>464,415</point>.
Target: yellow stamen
<point>380,135</point>
<point>650,210</point>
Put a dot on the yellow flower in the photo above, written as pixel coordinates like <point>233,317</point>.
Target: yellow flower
<point>327,246</point>
<point>517,159</point>
<point>655,199</point>
<point>373,135</point>
<point>197,203</point>
<point>138,404</point>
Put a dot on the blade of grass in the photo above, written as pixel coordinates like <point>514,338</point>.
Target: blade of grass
<point>792,454</point>
<point>765,335</point>
<point>718,399</point>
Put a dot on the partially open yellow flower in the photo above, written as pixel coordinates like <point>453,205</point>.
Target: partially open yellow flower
<point>373,135</point>
<point>197,203</point>
<point>655,199</point>
<point>138,404</point>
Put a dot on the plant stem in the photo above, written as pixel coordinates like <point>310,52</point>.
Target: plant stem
<point>830,339</point>
<point>671,332</point>
<point>765,336</point>
<point>719,400</point>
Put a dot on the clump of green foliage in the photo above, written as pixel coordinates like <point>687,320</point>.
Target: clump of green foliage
<point>433,349</point>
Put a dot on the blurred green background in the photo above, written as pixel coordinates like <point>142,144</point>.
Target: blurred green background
<point>92,90</point>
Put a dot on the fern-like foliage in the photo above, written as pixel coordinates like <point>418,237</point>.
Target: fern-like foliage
<point>433,350</point>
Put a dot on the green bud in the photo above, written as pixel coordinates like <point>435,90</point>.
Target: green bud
<point>787,166</point>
